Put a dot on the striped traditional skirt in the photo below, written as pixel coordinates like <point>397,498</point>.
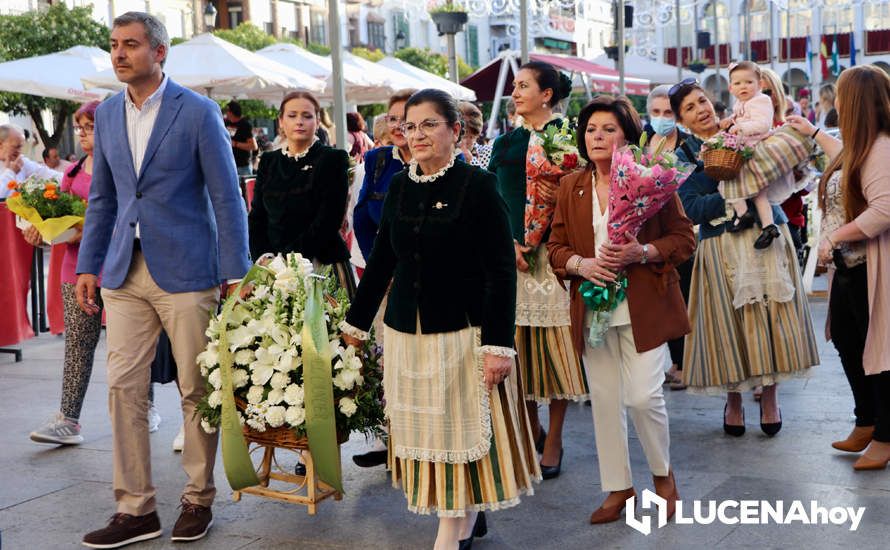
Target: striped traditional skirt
<point>757,344</point>
<point>770,167</point>
<point>495,481</point>
<point>549,368</point>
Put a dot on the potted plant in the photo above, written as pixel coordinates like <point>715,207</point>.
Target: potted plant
<point>448,17</point>
<point>698,65</point>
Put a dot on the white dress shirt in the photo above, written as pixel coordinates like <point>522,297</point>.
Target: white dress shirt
<point>140,123</point>
<point>29,168</point>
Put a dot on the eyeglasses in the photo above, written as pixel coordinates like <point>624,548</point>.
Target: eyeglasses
<point>84,130</point>
<point>425,127</point>
<point>682,84</point>
<point>393,121</point>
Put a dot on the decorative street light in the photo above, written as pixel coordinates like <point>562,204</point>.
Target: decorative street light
<point>401,39</point>
<point>209,17</point>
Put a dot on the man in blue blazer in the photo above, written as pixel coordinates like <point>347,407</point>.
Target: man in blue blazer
<point>165,226</point>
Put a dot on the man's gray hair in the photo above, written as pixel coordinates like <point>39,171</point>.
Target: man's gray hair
<point>154,29</point>
<point>7,129</point>
<point>658,91</point>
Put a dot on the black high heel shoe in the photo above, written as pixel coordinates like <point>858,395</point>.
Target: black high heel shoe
<point>550,472</point>
<point>767,236</point>
<point>733,430</point>
<point>480,529</point>
<point>539,443</point>
<point>772,428</point>
<point>742,222</point>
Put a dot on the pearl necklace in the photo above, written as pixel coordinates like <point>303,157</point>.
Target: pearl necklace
<point>302,153</point>
<point>412,172</point>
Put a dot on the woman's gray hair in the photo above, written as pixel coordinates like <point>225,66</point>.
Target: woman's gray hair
<point>154,29</point>
<point>7,129</point>
<point>658,91</point>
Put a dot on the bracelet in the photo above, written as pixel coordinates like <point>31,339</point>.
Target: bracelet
<point>815,133</point>
<point>577,266</point>
<point>831,241</point>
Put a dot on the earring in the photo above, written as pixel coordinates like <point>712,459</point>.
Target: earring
<point>543,105</point>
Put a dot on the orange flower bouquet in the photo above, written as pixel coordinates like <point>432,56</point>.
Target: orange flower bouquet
<point>38,202</point>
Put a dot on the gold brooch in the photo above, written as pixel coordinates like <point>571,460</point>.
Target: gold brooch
<point>440,205</point>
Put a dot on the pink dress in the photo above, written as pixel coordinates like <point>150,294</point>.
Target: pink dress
<point>754,118</point>
<point>78,185</point>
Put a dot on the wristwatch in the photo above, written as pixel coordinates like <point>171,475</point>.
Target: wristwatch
<point>645,257</point>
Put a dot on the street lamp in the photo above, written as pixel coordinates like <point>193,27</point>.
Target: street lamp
<point>400,40</point>
<point>209,16</point>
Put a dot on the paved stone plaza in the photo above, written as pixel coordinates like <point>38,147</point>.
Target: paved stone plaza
<point>50,496</point>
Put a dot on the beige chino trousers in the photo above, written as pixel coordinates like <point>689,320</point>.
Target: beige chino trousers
<point>622,380</point>
<point>135,313</point>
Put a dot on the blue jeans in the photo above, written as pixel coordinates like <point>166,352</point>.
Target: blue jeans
<point>244,170</point>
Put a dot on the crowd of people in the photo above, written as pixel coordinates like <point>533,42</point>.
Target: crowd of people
<point>479,327</point>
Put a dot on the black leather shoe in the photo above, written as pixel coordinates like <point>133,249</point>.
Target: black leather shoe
<point>730,429</point>
<point>767,236</point>
<point>550,472</point>
<point>772,428</point>
<point>539,443</point>
<point>480,529</point>
<point>370,459</point>
<point>742,222</point>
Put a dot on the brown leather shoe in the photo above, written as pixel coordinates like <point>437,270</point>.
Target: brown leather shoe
<point>672,497</point>
<point>193,523</point>
<point>124,529</point>
<point>608,514</point>
<point>857,441</point>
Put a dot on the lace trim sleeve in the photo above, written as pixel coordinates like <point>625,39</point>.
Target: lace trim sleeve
<point>499,351</point>
<point>346,328</point>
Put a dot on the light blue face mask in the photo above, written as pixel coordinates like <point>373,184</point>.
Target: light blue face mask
<point>663,126</point>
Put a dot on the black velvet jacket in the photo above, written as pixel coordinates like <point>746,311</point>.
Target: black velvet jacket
<point>447,247</point>
<point>299,205</point>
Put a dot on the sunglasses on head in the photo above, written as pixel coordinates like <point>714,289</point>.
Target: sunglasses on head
<point>682,84</point>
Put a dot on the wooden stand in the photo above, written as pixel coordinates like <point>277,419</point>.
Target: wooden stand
<point>307,490</point>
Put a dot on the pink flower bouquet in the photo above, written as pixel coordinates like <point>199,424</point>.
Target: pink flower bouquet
<point>640,184</point>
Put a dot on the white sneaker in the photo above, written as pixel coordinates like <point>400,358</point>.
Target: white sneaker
<point>179,440</point>
<point>154,418</point>
<point>58,430</point>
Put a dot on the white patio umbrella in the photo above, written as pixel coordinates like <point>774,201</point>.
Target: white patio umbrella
<point>390,81</point>
<point>56,75</point>
<point>218,68</point>
<point>429,79</point>
<point>643,67</point>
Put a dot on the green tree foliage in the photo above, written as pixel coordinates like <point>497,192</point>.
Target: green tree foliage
<point>43,32</point>
<point>429,61</point>
<point>246,35</point>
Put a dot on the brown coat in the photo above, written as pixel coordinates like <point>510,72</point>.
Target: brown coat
<point>657,309</point>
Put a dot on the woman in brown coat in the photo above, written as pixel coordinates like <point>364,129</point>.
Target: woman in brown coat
<point>625,372</point>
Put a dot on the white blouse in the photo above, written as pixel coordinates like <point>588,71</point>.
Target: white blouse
<point>621,315</point>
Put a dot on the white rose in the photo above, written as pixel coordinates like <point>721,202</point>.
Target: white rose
<point>295,416</point>
<point>279,381</point>
<point>255,395</point>
<point>214,399</point>
<point>275,397</point>
<point>275,416</point>
<point>207,427</point>
<point>293,395</point>
<point>240,378</point>
<point>348,406</point>
<point>215,379</point>
<point>261,374</point>
<point>244,356</point>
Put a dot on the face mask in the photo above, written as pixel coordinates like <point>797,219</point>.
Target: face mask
<point>663,126</point>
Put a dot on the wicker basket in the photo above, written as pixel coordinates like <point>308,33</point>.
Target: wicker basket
<point>282,436</point>
<point>722,164</point>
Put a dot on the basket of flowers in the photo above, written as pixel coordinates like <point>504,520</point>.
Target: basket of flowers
<point>38,202</point>
<point>724,154</point>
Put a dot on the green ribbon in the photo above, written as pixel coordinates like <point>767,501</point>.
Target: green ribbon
<point>321,427</point>
<point>236,458</point>
<point>604,298</point>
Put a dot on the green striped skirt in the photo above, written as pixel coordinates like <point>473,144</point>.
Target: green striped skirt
<point>757,344</point>
<point>548,365</point>
<point>493,482</point>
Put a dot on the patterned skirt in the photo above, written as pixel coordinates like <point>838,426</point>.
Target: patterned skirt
<point>770,167</point>
<point>493,482</point>
<point>757,344</point>
<point>548,366</point>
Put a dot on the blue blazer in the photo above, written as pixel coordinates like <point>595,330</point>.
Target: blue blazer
<point>186,191</point>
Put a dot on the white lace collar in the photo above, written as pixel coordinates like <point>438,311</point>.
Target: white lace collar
<point>396,154</point>
<point>301,154</point>
<point>412,172</point>
<point>521,122</point>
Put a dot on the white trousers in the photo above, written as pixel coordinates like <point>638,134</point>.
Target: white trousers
<point>620,379</point>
